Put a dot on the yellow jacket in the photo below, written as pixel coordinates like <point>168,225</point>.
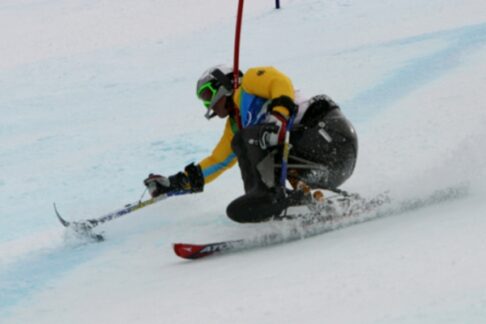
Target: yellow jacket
<point>258,86</point>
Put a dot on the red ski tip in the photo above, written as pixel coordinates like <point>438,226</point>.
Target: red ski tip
<point>189,251</point>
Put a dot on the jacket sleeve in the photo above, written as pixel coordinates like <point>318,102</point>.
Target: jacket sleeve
<point>222,157</point>
<point>270,83</point>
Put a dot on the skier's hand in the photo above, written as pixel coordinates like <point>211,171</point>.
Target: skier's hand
<point>273,132</point>
<point>191,180</point>
<point>157,185</point>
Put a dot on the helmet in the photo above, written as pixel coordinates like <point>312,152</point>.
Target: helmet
<point>214,84</point>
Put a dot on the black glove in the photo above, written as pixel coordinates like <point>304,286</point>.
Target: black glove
<point>191,180</point>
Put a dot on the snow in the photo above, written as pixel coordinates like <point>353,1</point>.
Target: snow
<point>95,95</point>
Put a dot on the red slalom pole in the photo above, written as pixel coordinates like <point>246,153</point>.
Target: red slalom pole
<point>236,60</point>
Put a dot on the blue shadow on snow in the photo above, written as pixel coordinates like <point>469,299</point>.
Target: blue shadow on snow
<point>417,72</point>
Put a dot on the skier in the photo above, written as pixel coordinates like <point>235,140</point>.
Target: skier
<point>323,142</point>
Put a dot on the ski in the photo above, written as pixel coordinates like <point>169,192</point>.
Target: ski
<point>293,230</point>
<point>337,211</point>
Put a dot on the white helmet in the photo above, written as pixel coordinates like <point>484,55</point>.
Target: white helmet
<point>215,83</point>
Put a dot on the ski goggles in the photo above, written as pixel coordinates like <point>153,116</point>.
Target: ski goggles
<point>206,93</point>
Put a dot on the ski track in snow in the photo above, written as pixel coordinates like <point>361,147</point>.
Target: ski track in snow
<point>83,124</point>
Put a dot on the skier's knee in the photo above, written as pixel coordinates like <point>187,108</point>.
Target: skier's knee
<point>254,208</point>
<point>238,212</point>
<point>235,213</point>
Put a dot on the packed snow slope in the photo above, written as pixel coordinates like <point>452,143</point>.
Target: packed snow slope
<point>97,94</point>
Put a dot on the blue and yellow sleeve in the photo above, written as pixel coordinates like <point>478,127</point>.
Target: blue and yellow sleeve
<point>222,157</point>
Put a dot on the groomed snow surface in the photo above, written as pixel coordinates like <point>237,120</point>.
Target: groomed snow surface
<point>97,94</point>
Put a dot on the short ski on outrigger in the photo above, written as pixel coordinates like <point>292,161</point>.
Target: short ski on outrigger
<point>84,228</point>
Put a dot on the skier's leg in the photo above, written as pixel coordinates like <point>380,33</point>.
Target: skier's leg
<point>260,201</point>
<point>249,155</point>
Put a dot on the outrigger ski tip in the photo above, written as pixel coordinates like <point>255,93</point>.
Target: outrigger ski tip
<point>83,229</point>
<point>64,222</point>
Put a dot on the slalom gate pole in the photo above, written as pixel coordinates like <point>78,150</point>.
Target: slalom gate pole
<point>236,62</point>
<point>236,59</point>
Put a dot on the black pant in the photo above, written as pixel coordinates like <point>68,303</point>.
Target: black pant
<point>323,155</point>
<point>261,201</point>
